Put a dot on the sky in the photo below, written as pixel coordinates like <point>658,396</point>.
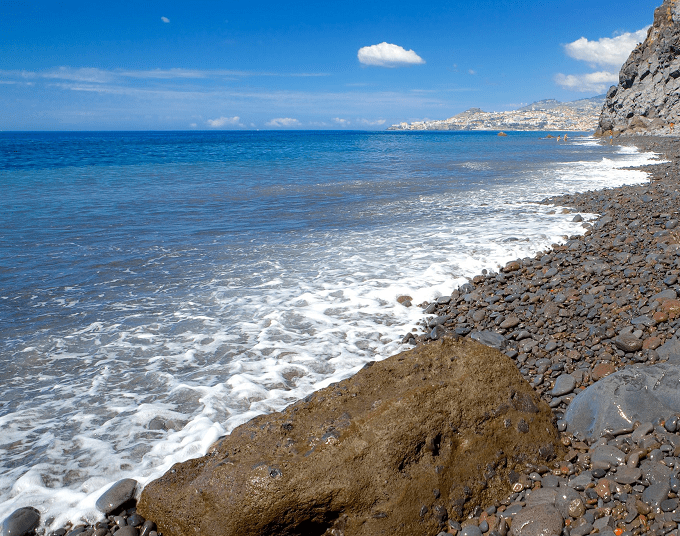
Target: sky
<point>170,65</point>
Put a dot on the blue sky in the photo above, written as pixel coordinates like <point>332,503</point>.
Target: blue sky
<point>68,65</point>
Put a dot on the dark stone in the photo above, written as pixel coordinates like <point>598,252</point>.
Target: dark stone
<point>127,531</point>
<point>21,522</point>
<point>628,342</point>
<point>489,338</point>
<point>117,496</point>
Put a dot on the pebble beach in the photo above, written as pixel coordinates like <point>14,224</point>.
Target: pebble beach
<point>570,317</point>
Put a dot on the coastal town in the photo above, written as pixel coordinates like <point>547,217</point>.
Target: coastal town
<point>579,116</point>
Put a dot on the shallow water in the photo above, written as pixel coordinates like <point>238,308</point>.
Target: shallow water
<point>206,278</point>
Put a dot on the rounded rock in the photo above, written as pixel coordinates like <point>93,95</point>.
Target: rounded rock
<point>117,495</point>
<point>471,530</point>
<point>564,384</point>
<point>127,531</point>
<point>541,520</point>
<point>21,522</point>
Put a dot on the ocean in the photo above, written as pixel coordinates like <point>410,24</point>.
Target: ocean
<point>157,289</point>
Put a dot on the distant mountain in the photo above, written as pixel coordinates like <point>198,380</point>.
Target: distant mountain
<point>549,104</point>
<point>550,114</point>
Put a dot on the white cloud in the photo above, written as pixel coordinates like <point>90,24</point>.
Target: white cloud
<point>193,125</point>
<point>472,71</point>
<point>283,122</point>
<point>587,83</point>
<point>341,122</point>
<point>388,55</point>
<point>377,122</point>
<point>223,121</point>
<point>166,20</point>
<point>605,51</point>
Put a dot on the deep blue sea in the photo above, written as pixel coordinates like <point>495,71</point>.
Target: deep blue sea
<point>202,278</point>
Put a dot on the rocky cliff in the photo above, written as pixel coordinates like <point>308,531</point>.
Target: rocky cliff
<point>647,98</point>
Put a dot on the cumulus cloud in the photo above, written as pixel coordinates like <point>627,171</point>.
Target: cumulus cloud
<point>606,51</point>
<point>587,83</point>
<point>283,122</point>
<point>368,122</point>
<point>223,121</point>
<point>166,20</point>
<point>388,55</point>
<point>341,122</point>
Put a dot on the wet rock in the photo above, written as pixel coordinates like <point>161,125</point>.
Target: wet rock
<point>489,338</point>
<point>510,322</point>
<point>127,531</point>
<point>606,454</point>
<point>116,496</point>
<point>21,522</point>
<point>627,475</point>
<point>542,520</point>
<point>656,493</point>
<point>629,395</point>
<point>419,420</point>
<point>628,342</point>
<point>564,384</point>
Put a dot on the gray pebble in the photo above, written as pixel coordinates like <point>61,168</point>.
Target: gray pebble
<point>581,530</point>
<point>607,454</point>
<point>542,520</point>
<point>471,530</point>
<point>656,493</point>
<point>668,505</point>
<point>564,384</point>
<point>127,531</point>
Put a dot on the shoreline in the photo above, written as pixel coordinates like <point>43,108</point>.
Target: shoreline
<point>581,201</point>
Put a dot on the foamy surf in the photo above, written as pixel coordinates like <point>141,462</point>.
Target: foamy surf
<point>222,335</point>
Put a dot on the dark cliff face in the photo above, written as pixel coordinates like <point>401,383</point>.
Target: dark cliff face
<point>647,98</point>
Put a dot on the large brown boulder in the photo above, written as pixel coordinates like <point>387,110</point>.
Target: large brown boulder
<point>393,450</point>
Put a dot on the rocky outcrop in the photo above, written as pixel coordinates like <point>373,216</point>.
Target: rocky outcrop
<point>396,449</point>
<point>647,98</point>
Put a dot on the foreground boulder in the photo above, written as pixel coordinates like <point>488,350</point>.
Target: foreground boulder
<point>395,449</point>
<point>636,393</point>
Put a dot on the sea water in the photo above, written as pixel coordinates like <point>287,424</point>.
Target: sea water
<point>203,278</point>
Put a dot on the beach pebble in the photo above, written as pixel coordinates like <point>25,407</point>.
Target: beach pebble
<point>564,384</point>
<point>607,454</point>
<point>656,493</point>
<point>127,531</point>
<point>471,530</point>
<point>627,475</point>
<point>147,528</point>
<point>489,338</point>
<point>541,520</point>
<point>628,342</point>
<point>117,495</point>
<point>21,522</point>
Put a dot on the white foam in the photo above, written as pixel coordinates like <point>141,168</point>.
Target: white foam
<point>252,341</point>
